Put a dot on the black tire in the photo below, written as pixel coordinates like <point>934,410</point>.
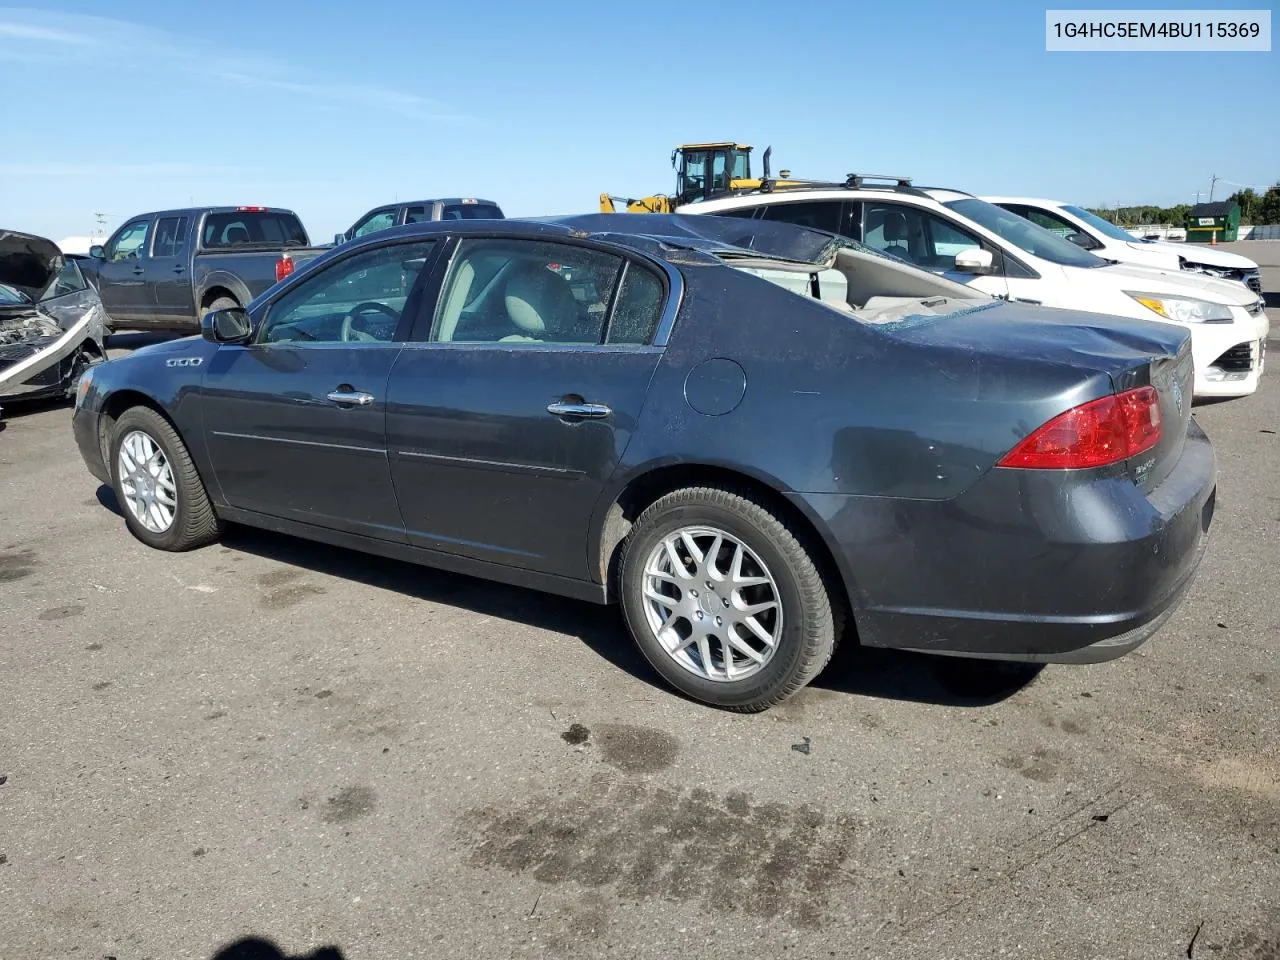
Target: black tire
<point>811,623</point>
<point>194,523</point>
<point>219,303</point>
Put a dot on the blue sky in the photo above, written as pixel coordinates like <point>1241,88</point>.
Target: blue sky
<point>330,108</point>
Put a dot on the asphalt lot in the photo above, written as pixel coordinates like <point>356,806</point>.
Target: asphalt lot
<point>280,739</point>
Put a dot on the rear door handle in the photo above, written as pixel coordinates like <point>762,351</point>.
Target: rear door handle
<point>139,271</point>
<point>178,269</point>
<point>578,410</point>
<point>348,397</point>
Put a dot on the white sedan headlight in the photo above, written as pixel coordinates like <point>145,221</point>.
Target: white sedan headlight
<point>1183,309</point>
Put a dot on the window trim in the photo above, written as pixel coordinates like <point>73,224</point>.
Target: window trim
<point>408,317</point>
<point>673,292</point>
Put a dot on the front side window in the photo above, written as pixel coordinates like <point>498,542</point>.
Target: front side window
<point>68,280</point>
<point>916,236</point>
<point>1024,234</point>
<point>382,220</point>
<point>533,292</point>
<point>170,232</point>
<point>358,299</point>
<point>129,242</point>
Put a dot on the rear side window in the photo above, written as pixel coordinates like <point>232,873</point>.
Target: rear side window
<point>415,215</point>
<point>170,233</point>
<point>243,228</point>
<point>818,214</point>
<point>471,211</point>
<point>638,308</point>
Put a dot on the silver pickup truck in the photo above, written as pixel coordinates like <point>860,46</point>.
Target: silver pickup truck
<point>162,270</point>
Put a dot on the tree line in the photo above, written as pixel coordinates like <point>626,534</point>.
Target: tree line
<point>1255,209</point>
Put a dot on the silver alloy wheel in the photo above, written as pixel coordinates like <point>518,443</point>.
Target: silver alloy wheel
<point>146,482</point>
<point>712,604</point>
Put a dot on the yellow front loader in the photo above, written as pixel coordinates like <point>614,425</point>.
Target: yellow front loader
<point>703,171</point>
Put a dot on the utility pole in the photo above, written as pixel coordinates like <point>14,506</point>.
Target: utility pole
<point>1213,180</point>
<point>100,220</point>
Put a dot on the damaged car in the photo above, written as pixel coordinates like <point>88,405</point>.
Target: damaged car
<point>51,320</point>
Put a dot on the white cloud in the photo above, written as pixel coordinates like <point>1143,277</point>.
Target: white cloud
<point>26,31</point>
<point>124,42</point>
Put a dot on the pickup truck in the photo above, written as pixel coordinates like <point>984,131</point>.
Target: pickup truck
<point>163,270</point>
<point>416,211</point>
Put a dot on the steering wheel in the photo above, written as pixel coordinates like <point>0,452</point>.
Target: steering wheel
<point>349,333</point>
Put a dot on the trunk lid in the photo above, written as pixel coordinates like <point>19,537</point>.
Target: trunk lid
<point>28,263</point>
<point>1056,348</point>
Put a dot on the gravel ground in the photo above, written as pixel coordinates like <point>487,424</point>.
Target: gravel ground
<point>279,739</point>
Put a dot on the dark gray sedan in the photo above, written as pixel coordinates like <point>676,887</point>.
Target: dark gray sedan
<point>756,438</point>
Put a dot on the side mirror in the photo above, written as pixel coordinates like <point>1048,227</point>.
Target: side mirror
<point>1083,240</point>
<point>97,253</point>
<point>339,239</point>
<point>226,326</point>
<point>974,260</point>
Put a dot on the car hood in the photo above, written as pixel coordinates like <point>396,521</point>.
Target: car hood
<point>1179,283</point>
<point>1198,253</point>
<point>28,263</point>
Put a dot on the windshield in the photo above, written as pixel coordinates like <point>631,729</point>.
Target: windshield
<point>1024,234</point>
<point>1104,227</point>
<point>9,296</point>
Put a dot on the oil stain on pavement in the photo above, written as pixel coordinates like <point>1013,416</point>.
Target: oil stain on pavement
<point>646,841</point>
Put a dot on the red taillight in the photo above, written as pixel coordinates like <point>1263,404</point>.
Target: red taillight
<point>1093,434</point>
<point>284,267</point>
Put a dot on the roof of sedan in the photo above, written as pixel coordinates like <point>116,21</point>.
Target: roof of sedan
<point>657,235</point>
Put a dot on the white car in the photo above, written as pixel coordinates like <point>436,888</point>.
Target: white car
<point>1092,233</point>
<point>966,239</point>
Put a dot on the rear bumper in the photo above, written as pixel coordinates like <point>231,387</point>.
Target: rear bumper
<point>1026,565</point>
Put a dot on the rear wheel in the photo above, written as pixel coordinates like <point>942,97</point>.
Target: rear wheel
<point>724,599</point>
<point>163,499</point>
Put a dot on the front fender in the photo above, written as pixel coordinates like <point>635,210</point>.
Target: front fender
<point>165,376</point>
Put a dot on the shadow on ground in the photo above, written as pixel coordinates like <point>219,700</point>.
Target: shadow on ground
<point>885,674</point>
<point>257,948</point>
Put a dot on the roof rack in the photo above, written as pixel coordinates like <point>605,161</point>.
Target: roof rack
<point>855,180</point>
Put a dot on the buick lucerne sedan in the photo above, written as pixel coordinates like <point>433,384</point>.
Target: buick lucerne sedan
<point>756,438</point>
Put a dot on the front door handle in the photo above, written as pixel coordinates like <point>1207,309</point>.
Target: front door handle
<point>179,268</point>
<point>138,271</point>
<point>348,397</point>
<point>578,410</point>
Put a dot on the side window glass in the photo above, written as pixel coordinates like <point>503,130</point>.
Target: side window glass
<point>379,221</point>
<point>916,236</point>
<point>130,242</point>
<point>69,280</point>
<point>638,307</point>
<point>525,291</point>
<point>415,215</point>
<point>1054,224</point>
<point>170,232</point>
<point>359,299</point>
<point>819,214</point>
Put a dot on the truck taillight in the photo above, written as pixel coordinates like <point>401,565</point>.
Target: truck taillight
<point>1094,434</point>
<point>284,267</point>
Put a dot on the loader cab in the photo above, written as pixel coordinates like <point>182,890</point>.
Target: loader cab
<point>705,170</point>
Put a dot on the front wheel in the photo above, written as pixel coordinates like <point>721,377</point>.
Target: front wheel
<point>724,599</point>
<point>156,484</point>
